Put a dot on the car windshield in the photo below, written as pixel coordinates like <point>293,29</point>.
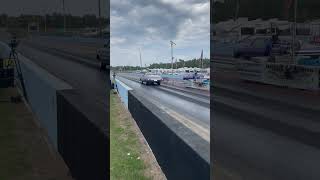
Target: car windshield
<point>259,43</point>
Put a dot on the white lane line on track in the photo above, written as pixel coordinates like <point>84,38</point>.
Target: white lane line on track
<point>201,131</point>
<point>189,123</point>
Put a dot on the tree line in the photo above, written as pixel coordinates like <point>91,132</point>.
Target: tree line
<point>54,20</point>
<point>181,63</point>
<point>265,9</point>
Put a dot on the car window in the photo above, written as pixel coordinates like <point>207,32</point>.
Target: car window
<point>259,43</point>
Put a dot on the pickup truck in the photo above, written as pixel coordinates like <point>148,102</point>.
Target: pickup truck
<point>103,56</point>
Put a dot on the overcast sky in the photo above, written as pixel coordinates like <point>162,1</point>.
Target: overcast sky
<point>151,24</point>
<point>75,7</point>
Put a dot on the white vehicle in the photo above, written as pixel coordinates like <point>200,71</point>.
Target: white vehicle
<point>151,78</point>
<point>103,56</point>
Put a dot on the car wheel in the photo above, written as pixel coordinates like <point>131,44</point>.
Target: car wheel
<point>159,83</point>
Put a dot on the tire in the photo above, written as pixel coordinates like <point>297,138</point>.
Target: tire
<point>158,83</point>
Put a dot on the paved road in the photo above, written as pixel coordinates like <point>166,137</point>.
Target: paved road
<point>89,81</point>
<point>191,114</point>
<point>256,151</point>
<point>83,47</point>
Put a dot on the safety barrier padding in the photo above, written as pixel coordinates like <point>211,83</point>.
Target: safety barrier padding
<point>177,156</point>
<point>123,91</point>
<point>83,136</point>
<point>41,89</point>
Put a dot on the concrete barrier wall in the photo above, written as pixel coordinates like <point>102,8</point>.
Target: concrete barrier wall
<point>83,136</point>
<point>123,91</point>
<point>177,158</point>
<point>41,89</point>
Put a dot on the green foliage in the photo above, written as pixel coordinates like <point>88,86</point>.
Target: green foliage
<point>54,20</point>
<point>266,9</point>
<point>125,68</point>
<point>123,140</point>
<point>180,63</point>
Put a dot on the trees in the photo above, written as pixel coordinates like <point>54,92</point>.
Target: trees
<point>54,20</point>
<point>182,63</point>
<point>266,9</point>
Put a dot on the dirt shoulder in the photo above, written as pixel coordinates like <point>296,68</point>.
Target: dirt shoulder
<point>25,152</point>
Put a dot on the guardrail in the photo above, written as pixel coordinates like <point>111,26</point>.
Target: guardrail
<point>41,88</point>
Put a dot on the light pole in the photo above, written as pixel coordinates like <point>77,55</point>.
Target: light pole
<point>45,22</point>
<point>140,57</point>
<point>294,30</point>
<point>100,23</point>
<point>172,43</point>
<point>237,10</point>
<point>64,16</point>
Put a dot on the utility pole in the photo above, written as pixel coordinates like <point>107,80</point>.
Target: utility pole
<point>237,10</point>
<point>172,43</point>
<point>100,22</point>
<point>64,16</point>
<point>140,58</point>
<point>45,22</point>
<point>176,64</point>
<point>201,59</point>
<point>294,31</point>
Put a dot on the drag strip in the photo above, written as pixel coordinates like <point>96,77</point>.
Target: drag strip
<point>66,55</point>
<point>190,114</point>
<point>256,153</point>
<point>90,82</point>
<point>192,95</point>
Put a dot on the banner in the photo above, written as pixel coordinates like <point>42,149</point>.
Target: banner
<point>6,73</point>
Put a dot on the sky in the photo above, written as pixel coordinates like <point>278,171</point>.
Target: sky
<point>75,7</point>
<point>150,25</point>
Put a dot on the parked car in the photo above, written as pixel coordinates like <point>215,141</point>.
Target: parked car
<point>150,78</point>
<point>103,56</point>
<point>187,76</point>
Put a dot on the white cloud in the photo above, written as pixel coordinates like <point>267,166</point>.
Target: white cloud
<point>151,24</point>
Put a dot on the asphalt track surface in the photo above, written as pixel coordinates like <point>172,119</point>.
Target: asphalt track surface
<point>87,80</point>
<point>250,151</point>
<point>190,113</point>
